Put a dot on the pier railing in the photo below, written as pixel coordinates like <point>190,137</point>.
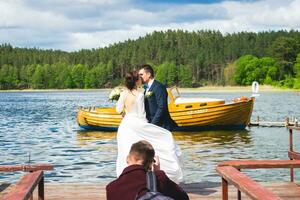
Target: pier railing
<point>230,172</point>
<point>24,188</point>
<point>293,155</point>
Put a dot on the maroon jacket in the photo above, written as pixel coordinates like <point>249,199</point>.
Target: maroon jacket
<point>133,180</point>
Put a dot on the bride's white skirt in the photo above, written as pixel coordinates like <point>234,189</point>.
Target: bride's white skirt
<point>133,129</point>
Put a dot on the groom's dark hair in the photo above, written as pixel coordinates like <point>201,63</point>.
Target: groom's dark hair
<point>144,151</point>
<point>148,69</point>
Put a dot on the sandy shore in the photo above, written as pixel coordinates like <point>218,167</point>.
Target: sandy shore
<point>206,89</point>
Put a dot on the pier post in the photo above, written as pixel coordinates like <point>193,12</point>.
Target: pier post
<point>291,150</point>
<point>239,194</point>
<point>41,190</point>
<point>224,189</point>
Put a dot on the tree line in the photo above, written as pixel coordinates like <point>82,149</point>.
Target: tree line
<point>182,58</point>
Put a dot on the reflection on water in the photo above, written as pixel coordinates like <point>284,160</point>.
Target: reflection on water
<point>85,136</point>
<point>201,150</point>
<point>43,124</point>
<point>218,137</point>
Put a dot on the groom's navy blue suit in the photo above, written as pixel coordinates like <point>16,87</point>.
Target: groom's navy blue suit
<point>156,106</point>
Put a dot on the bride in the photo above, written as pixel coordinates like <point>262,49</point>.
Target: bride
<point>135,127</point>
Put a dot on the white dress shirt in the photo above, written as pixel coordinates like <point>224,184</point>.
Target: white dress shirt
<point>149,85</point>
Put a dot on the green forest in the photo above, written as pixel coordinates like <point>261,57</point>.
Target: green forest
<point>182,58</point>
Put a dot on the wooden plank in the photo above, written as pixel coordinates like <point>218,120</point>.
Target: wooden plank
<point>204,190</point>
<point>294,155</point>
<point>245,184</point>
<point>24,188</point>
<point>74,191</point>
<point>261,164</point>
<point>294,128</point>
<point>3,186</point>
<point>25,168</point>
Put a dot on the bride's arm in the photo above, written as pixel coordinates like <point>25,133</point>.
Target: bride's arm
<point>120,103</point>
<point>141,106</point>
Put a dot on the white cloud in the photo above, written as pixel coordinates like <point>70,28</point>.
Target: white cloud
<point>266,15</point>
<point>105,38</point>
<point>76,24</point>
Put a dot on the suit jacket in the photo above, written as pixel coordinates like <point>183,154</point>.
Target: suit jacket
<point>156,106</point>
<point>133,180</point>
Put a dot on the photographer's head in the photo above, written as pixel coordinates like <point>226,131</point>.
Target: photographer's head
<point>141,153</point>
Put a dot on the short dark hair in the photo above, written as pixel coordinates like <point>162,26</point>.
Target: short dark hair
<point>143,150</point>
<point>148,69</point>
<point>130,79</point>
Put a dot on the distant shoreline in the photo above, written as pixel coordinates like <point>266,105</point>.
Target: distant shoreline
<point>212,89</point>
<point>56,90</point>
<point>205,89</point>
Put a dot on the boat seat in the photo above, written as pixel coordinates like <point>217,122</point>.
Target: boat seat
<point>180,100</point>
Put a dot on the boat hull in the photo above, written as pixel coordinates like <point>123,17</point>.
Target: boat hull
<point>181,129</point>
<point>188,116</point>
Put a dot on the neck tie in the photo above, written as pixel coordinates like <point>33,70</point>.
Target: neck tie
<point>146,86</point>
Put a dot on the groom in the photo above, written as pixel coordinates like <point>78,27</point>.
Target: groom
<point>156,99</point>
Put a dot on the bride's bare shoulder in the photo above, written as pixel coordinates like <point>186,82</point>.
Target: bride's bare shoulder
<point>125,91</point>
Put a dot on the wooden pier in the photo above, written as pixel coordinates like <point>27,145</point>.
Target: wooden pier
<point>285,123</point>
<point>230,171</point>
<point>196,191</point>
<point>234,184</point>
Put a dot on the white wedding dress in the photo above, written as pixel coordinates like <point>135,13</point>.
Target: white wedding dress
<point>134,127</point>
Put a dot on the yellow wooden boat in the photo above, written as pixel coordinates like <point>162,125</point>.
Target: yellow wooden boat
<point>191,114</point>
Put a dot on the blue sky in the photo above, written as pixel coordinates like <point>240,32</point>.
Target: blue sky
<point>72,25</point>
<point>182,2</point>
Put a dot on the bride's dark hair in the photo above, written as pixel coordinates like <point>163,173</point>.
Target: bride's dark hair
<point>131,78</point>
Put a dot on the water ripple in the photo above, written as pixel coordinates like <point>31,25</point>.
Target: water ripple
<point>43,125</point>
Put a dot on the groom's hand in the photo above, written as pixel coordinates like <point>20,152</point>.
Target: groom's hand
<point>123,114</point>
<point>156,164</point>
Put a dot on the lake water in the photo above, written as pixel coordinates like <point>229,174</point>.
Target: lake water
<point>43,125</point>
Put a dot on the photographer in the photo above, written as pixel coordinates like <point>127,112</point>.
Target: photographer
<point>133,178</point>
